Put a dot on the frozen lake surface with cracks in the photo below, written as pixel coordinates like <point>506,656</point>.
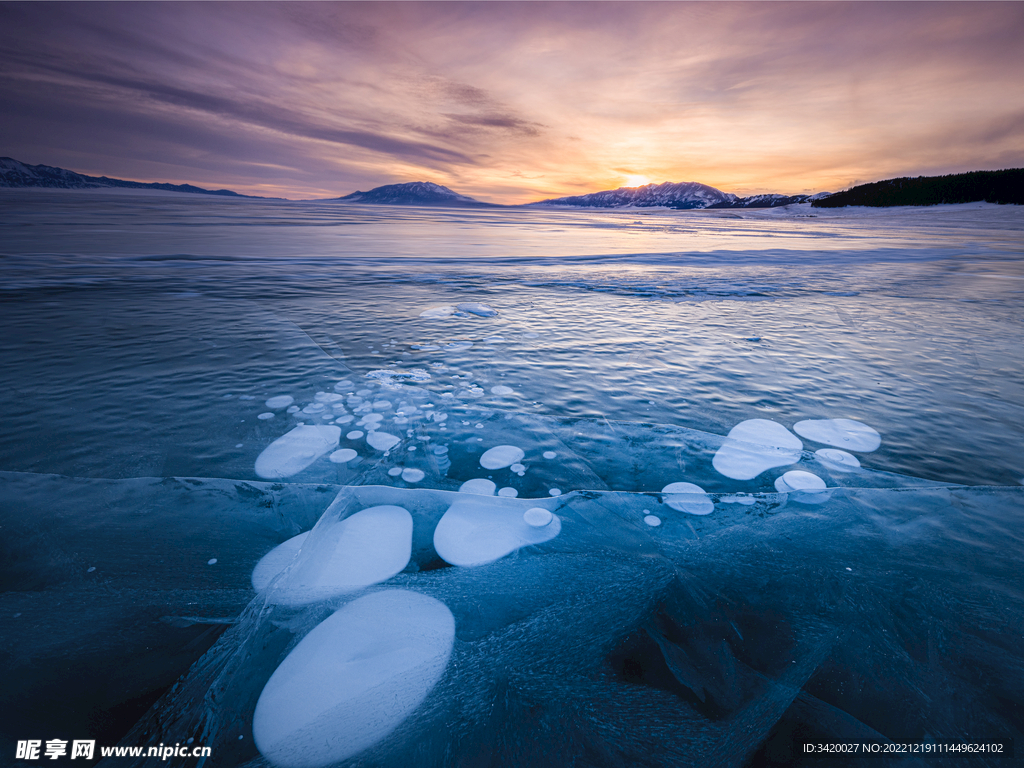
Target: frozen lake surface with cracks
<point>318,484</point>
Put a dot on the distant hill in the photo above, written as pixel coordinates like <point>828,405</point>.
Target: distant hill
<point>686,195</point>
<point>17,174</point>
<point>413,193</point>
<point>991,186</point>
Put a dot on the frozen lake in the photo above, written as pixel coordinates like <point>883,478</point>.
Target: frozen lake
<point>190,382</point>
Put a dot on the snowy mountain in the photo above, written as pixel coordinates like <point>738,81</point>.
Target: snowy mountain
<point>687,194</point>
<point>684,195</point>
<point>412,193</point>
<point>17,174</point>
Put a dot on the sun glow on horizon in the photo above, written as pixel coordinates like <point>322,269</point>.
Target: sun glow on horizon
<point>636,181</point>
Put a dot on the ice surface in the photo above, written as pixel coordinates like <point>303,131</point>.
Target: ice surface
<point>346,555</point>
<point>382,441</point>
<point>501,456</point>
<point>477,530</point>
<point>436,313</point>
<point>353,679</point>
<point>842,433</point>
<point>689,498</point>
<point>295,450</point>
<point>501,389</point>
<point>754,446</point>
<point>280,401</point>
<point>475,308</point>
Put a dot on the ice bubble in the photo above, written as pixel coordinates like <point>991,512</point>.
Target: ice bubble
<point>501,389</point>
<point>479,486</point>
<point>531,335</point>
<point>755,445</point>
<point>412,475</point>
<point>390,377</point>
<point>355,434</point>
<point>295,450</point>
<point>327,397</point>
<point>346,419</point>
<point>212,561</point>
<point>440,450</point>
<point>265,416</point>
<point>477,530</point>
<point>738,498</point>
<point>345,556</point>
<point>652,520</point>
<point>363,392</point>
<point>313,408</point>
<point>344,384</point>
<point>555,492</point>
<point>435,313</point>
<point>549,454</point>
<point>509,493</point>
<point>455,346</point>
<point>804,487</point>
<point>537,517</point>
<point>238,445</point>
<point>687,497</point>
<point>501,456</point>
<point>343,455</point>
<point>91,569</point>
<point>424,347</point>
<point>493,339</point>
<point>274,562</point>
<point>371,418</point>
<point>518,468</point>
<point>381,405</point>
<point>837,459</point>
<point>280,401</point>
<point>354,679</point>
<point>293,409</point>
<point>842,433</point>
<point>382,441</point>
<point>412,447</point>
<point>395,471</point>
<point>475,308</point>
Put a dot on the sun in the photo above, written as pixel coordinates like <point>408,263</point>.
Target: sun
<point>636,181</point>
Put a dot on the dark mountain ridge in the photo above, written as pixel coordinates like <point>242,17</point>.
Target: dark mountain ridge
<point>21,175</point>
<point>413,193</point>
<point>1003,187</point>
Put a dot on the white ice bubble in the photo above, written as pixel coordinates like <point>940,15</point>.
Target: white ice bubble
<point>382,441</point>
<point>689,498</point>
<point>475,308</point>
<point>395,471</point>
<point>842,433</point>
<point>537,517</point>
<point>549,454</point>
<point>501,456</point>
<point>371,418</point>
<point>456,346</point>
<point>837,459</point>
<point>738,498</point>
<point>212,561</point>
<point>353,679</point>
<point>343,455</point>
<point>280,401</point>
<point>804,487</point>
<point>435,313</point>
<point>346,419</point>
<point>313,408</point>
<point>293,409</point>
<point>518,467</point>
<point>265,416</point>
<point>508,492</point>
<point>295,450</point>
<point>479,529</point>
<point>479,486</point>
<point>381,405</point>
<point>493,340</point>
<point>652,520</point>
<point>343,386</point>
<point>501,389</point>
<point>345,556</point>
<point>555,492</point>
<point>327,397</point>
<point>412,475</point>
<point>755,445</point>
<point>355,434</point>
<point>390,377</point>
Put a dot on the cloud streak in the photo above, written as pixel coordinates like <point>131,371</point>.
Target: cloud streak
<point>512,101</point>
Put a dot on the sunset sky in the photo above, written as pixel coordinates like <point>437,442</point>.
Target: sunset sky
<point>513,102</point>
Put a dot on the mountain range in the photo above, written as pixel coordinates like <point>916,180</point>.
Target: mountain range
<point>1006,186</point>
